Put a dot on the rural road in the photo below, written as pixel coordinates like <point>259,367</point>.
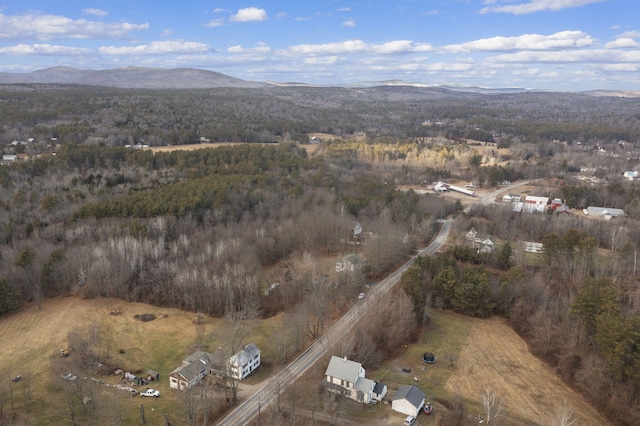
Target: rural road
<point>250,408</point>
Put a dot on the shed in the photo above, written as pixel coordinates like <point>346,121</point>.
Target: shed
<point>153,374</point>
<point>379,391</point>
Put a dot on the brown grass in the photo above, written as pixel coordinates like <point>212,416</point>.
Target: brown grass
<point>31,339</point>
<point>495,357</point>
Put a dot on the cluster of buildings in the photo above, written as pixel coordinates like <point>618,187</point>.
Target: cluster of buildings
<point>535,204</point>
<point>347,378</point>
<point>200,364</point>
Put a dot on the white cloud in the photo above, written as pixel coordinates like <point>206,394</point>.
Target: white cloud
<point>43,49</point>
<point>46,27</point>
<point>631,34</point>
<point>157,48</point>
<point>323,61</point>
<point>532,6</point>
<point>260,49</point>
<point>302,18</point>
<point>622,42</point>
<point>343,9</point>
<point>167,32</point>
<point>566,56</point>
<point>349,23</point>
<point>215,23</point>
<point>94,12</point>
<point>358,46</point>
<point>560,40</point>
<point>622,67</point>
<point>249,14</point>
<point>400,46</point>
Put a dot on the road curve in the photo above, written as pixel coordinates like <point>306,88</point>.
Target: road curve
<point>251,407</point>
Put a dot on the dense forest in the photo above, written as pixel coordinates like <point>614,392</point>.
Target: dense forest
<point>85,214</point>
<point>116,117</point>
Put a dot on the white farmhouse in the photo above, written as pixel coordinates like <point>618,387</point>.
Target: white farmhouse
<point>244,362</point>
<point>347,378</point>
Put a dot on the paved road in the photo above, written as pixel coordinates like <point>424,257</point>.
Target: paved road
<point>249,409</point>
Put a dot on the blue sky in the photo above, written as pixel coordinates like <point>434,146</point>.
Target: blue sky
<point>567,45</point>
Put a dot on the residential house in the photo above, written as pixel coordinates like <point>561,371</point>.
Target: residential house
<point>558,206</point>
<point>244,362</point>
<point>630,174</point>
<point>348,379</point>
<point>349,263</point>
<point>482,244</point>
<point>487,246</point>
<point>9,158</point>
<point>193,369</point>
<point>409,400</point>
<point>471,236</point>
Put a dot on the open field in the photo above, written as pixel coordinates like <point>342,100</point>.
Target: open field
<point>487,354</point>
<point>31,339</point>
<point>193,147</point>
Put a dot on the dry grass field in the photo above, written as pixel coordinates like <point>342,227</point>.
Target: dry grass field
<point>32,338</point>
<point>495,357</point>
<point>488,354</point>
<point>194,146</point>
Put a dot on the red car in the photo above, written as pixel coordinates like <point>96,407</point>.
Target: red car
<point>427,408</point>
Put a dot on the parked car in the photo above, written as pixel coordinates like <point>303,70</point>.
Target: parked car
<point>150,392</point>
<point>70,377</point>
<point>361,296</point>
<point>410,420</point>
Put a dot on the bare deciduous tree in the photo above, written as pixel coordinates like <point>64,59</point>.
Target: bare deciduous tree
<point>492,405</point>
<point>563,415</point>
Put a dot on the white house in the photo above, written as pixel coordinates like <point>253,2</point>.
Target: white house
<point>630,174</point>
<point>409,400</point>
<point>244,362</point>
<point>349,263</point>
<point>487,246</point>
<point>347,378</point>
<point>193,369</point>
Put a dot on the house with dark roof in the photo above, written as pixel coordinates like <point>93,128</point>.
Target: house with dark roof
<point>348,379</point>
<point>409,400</point>
<point>244,362</point>
<point>191,371</point>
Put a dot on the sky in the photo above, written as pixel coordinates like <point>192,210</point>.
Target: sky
<point>565,45</point>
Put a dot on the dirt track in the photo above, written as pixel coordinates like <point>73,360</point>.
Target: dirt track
<point>496,357</point>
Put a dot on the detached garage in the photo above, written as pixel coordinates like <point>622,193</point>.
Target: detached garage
<point>409,400</point>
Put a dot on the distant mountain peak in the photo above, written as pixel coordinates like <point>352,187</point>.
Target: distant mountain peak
<point>131,77</point>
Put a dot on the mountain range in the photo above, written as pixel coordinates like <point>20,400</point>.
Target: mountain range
<point>192,78</point>
<point>186,78</point>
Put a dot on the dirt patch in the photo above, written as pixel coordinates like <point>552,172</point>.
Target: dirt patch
<point>496,357</point>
